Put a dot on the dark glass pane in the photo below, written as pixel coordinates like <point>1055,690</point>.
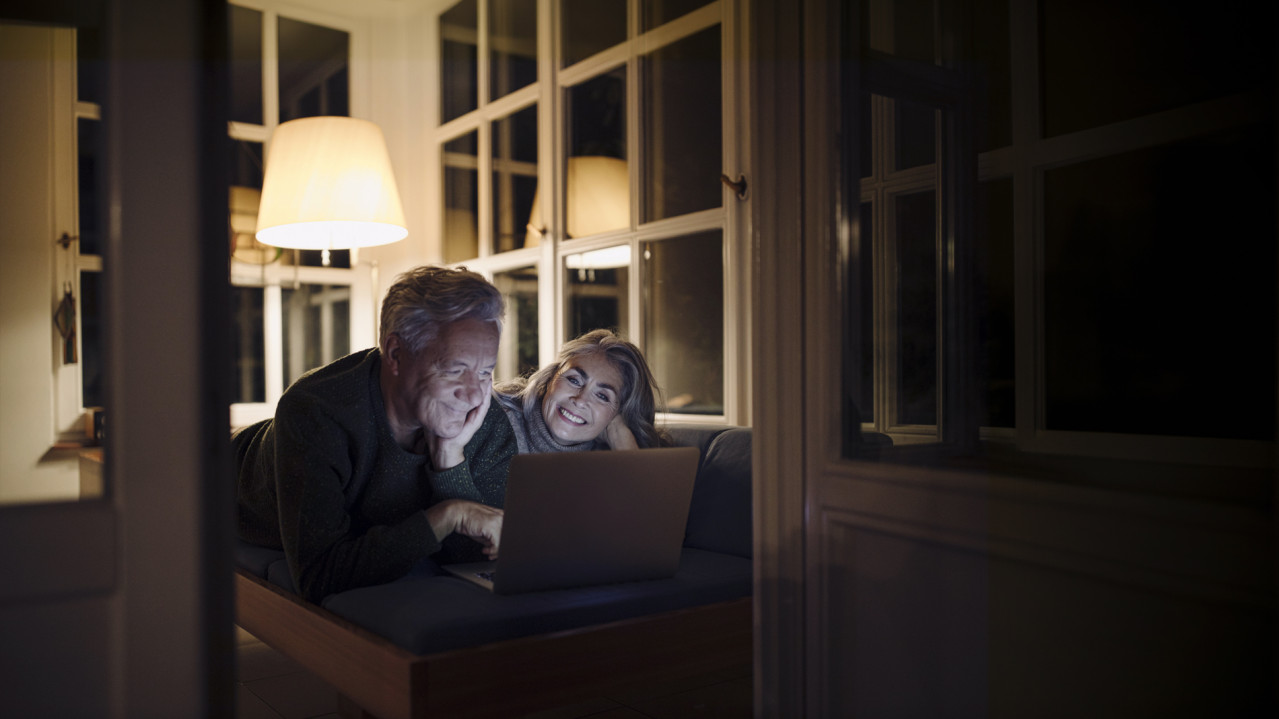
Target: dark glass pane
<point>248,349</point>
<point>313,69</point>
<point>991,44</point>
<point>514,178</point>
<point>1146,57</point>
<point>90,65</point>
<point>915,134</point>
<point>597,290</point>
<point>590,26</point>
<point>315,258</point>
<point>906,29</point>
<point>459,61</point>
<point>684,320</point>
<point>682,127</point>
<point>245,73</point>
<point>1159,293</point>
<point>512,45</point>
<point>461,198</point>
<point>598,194</point>
<point>660,12</point>
<point>89,157</point>
<point>91,347</point>
<point>315,323</point>
<point>517,356</point>
<point>995,300</point>
<point>916,216</point>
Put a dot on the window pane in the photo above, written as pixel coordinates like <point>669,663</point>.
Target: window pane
<point>316,323</point>
<point>248,349</point>
<point>1139,60</point>
<point>461,198</point>
<point>245,76</point>
<point>314,79</point>
<point>90,154</point>
<point>684,320</point>
<point>682,127</point>
<point>1160,303</point>
<point>598,283</point>
<point>91,338</point>
<point>995,325</point>
<point>512,45</point>
<point>90,65</point>
<point>598,194</point>
<point>514,179</point>
<point>903,28</point>
<point>916,216</point>
<point>915,132</point>
<point>517,356</point>
<point>992,47</point>
<point>590,26</point>
<point>459,61</point>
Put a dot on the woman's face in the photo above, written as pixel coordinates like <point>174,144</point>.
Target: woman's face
<point>582,398</point>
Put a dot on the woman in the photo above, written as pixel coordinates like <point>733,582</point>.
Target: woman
<point>598,394</point>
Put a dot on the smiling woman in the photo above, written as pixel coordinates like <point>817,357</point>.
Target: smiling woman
<point>598,394</point>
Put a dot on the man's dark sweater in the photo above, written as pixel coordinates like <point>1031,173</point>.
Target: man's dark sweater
<point>325,481</point>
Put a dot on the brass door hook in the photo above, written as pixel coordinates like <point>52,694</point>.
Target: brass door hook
<point>65,240</point>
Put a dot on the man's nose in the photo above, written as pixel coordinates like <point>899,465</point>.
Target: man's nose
<point>471,387</point>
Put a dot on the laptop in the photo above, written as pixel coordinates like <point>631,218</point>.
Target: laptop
<point>576,519</point>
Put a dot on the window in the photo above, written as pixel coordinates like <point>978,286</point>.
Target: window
<point>1118,218</point>
<point>585,181</point>
<point>292,310</point>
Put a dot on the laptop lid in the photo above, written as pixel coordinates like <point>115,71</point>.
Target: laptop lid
<point>581,518</point>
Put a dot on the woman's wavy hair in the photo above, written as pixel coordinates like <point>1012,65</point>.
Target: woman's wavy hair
<point>639,396</point>
<point>425,299</point>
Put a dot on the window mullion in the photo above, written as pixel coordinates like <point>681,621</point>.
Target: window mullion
<point>273,341</point>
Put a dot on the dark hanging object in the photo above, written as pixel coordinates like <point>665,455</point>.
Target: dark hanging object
<point>64,320</point>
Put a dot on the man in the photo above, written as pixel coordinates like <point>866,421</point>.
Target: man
<point>372,461</point>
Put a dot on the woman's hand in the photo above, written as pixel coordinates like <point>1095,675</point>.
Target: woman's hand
<point>618,435</point>
<point>469,519</point>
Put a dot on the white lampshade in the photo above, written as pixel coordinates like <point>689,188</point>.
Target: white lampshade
<point>598,200</point>
<point>329,186</point>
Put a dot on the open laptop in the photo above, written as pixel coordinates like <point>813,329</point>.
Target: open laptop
<point>580,518</point>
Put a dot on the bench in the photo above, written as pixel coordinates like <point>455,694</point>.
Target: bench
<point>432,645</point>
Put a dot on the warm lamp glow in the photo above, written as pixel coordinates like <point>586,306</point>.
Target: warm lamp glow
<point>329,186</point>
<point>598,199</point>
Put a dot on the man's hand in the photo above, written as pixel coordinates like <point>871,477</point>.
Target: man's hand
<point>470,519</point>
<point>448,453</point>
<point>618,435</point>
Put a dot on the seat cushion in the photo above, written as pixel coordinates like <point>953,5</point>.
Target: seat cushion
<point>430,611</point>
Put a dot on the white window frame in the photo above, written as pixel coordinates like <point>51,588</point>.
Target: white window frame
<point>731,218</point>
<point>361,278</point>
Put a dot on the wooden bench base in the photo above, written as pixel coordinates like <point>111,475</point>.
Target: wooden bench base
<point>502,679</point>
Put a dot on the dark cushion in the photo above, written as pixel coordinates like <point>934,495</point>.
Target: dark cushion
<point>428,611</point>
<point>719,517</point>
<point>256,559</point>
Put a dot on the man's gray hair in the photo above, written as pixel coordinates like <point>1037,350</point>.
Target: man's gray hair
<point>425,299</point>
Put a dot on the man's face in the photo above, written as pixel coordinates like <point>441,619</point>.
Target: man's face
<point>450,377</point>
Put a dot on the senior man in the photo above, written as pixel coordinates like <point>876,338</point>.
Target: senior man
<point>372,461</point>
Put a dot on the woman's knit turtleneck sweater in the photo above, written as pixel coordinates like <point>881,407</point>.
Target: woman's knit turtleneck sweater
<point>531,433</point>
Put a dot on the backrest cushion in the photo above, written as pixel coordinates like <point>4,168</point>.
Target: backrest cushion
<point>719,518</point>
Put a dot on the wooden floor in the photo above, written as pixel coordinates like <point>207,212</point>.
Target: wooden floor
<point>269,685</point>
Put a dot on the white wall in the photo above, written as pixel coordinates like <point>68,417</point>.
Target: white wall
<point>35,80</point>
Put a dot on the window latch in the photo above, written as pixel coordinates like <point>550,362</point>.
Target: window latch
<point>738,187</point>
